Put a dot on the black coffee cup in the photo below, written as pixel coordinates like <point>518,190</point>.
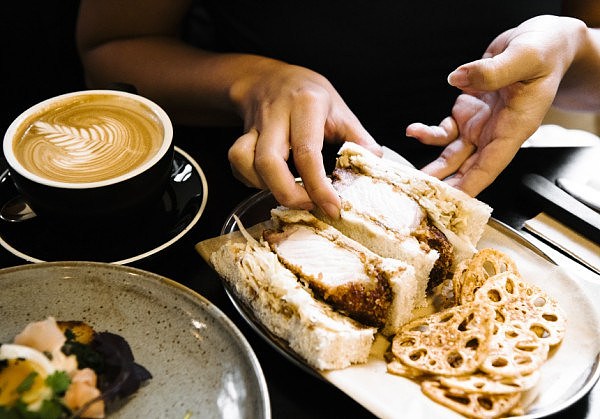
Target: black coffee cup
<point>89,154</point>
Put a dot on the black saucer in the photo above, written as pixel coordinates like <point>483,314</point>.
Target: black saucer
<point>119,241</point>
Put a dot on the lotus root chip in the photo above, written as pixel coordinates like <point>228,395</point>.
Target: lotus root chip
<point>485,264</point>
<point>525,306</point>
<point>451,342</point>
<point>458,277</point>
<point>514,352</point>
<point>398,368</point>
<point>473,405</point>
<point>485,383</point>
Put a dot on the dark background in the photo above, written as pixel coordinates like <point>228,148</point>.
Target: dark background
<point>39,57</point>
<point>39,60</point>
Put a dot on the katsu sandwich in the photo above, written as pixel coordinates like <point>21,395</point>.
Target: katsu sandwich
<point>327,286</point>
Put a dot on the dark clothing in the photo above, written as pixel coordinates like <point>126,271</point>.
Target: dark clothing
<point>389,59</point>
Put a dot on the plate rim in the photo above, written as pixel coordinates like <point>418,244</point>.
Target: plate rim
<point>203,303</point>
<point>22,255</point>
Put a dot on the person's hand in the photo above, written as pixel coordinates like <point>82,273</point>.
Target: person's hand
<point>506,95</point>
<point>290,110</point>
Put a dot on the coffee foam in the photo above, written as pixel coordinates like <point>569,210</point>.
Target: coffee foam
<point>88,138</point>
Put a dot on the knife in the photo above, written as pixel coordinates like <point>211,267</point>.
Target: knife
<point>563,206</point>
<point>588,195</point>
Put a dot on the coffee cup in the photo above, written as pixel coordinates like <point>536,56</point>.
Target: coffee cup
<point>92,153</point>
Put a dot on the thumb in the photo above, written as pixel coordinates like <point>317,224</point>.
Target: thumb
<point>488,74</point>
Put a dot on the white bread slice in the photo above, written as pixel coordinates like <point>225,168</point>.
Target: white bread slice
<point>325,338</point>
<point>459,216</point>
<point>399,275</point>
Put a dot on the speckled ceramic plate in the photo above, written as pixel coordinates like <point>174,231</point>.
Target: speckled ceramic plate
<point>201,363</point>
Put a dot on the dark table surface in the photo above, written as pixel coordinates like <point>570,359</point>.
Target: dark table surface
<point>293,392</point>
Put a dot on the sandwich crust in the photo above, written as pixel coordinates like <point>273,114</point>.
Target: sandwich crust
<point>324,338</point>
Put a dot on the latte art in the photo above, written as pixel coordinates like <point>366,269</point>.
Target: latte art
<point>89,155</point>
<point>89,139</point>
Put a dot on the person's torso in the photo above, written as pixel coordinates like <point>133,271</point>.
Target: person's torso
<point>389,59</point>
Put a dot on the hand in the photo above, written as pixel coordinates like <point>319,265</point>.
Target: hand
<point>290,110</point>
<point>505,97</point>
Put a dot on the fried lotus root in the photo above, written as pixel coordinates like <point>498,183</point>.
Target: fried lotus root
<point>485,264</point>
<point>484,383</point>
<point>525,306</point>
<point>473,405</point>
<point>514,352</point>
<point>398,368</point>
<point>451,342</point>
<point>458,278</point>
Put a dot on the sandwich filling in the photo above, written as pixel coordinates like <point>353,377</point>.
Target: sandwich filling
<point>336,273</point>
<point>368,288</point>
<point>387,206</point>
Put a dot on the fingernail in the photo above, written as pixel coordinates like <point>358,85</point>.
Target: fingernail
<point>331,210</point>
<point>459,78</point>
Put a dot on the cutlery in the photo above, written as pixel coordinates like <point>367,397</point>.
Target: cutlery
<point>580,191</point>
<point>563,206</point>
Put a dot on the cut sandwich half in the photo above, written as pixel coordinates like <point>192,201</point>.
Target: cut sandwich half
<point>400,212</point>
<point>323,337</point>
<point>371,289</point>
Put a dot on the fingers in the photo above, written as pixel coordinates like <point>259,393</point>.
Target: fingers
<point>294,110</point>
<point>515,64</point>
<point>354,132</point>
<point>451,159</point>
<point>266,170</point>
<point>367,142</point>
<point>241,159</point>
<point>260,160</point>
<point>443,134</point>
<point>470,169</point>
<point>307,133</point>
<point>270,162</point>
<point>474,182</point>
<point>481,172</point>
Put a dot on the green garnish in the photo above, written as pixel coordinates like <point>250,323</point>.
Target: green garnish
<point>27,382</point>
<point>51,409</point>
<point>59,382</point>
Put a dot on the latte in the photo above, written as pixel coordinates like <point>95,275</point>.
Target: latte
<point>88,138</point>
<point>89,154</point>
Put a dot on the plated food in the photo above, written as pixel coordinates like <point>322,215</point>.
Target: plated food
<point>400,233</point>
<point>201,364</point>
<point>481,356</point>
<point>59,369</point>
<point>400,212</point>
<point>367,379</point>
